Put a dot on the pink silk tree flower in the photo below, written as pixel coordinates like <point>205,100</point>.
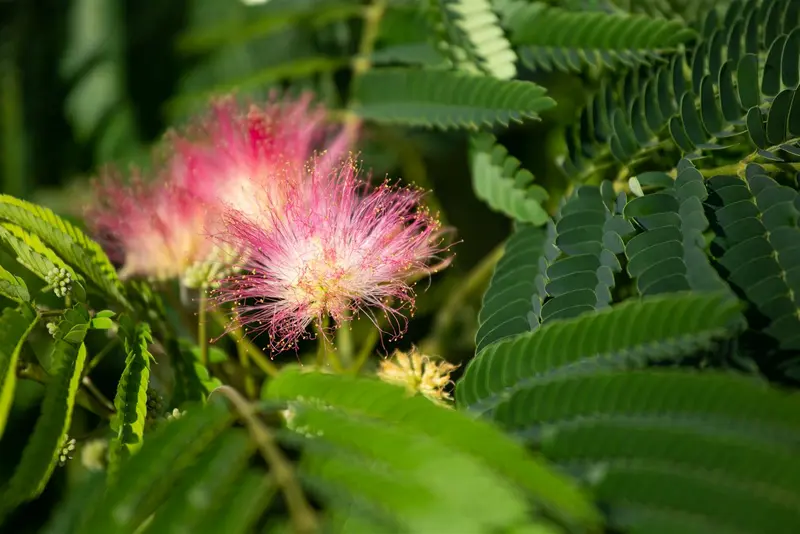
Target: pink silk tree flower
<point>338,245</point>
<point>155,229</point>
<point>230,158</point>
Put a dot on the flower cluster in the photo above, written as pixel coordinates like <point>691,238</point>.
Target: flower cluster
<point>337,245</point>
<point>290,237</point>
<point>163,227</point>
<point>418,373</point>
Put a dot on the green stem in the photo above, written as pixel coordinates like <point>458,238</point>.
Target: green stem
<point>96,393</point>
<point>476,280</point>
<point>366,351</point>
<point>249,382</point>
<point>326,353</point>
<point>35,372</point>
<point>301,513</point>
<point>344,342</point>
<point>201,327</point>
<point>363,61</point>
<point>100,355</point>
<point>253,352</point>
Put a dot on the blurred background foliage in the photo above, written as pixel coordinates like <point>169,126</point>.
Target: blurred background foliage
<point>87,83</point>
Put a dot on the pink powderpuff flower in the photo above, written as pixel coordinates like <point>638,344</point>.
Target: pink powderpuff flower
<point>338,245</point>
<point>230,158</point>
<point>155,229</point>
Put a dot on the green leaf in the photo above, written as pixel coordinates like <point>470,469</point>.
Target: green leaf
<point>199,492</point>
<point>381,401</point>
<point>705,452</point>
<point>394,477</point>
<point>670,254</point>
<point>589,236</point>
<point>34,255</point>
<point>554,38</point>
<point>705,96</point>
<point>15,327</point>
<point>513,302</point>
<point>101,323</point>
<point>13,287</point>
<point>631,334</point>
<point>498,180</point>
<point>757,222</point>
<point>131,399</point>
<point>241,508</point>
<point>146,478</point>
<point>444,99</point>
<point>67,241</point>
<point>470,32</point>
<point>41,454</point>
<point>192,380</point>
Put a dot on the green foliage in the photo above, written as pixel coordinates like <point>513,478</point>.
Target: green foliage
<point>66,240</point>
<point>470,34</point>
<point>554,38</point>
<point>589,235</point>
<point>146,478</point>
<point>748,422</point>
<point>15,326</point>
<point>739,78</point>
<point>670,253</point>
<point>42,452</point>
<point>445,99</point>
<point>13,287</point>
<point>632,334</point>
<point>131,399</point>
<point>381,401</point>
<point>513,302</point>
<point>498,180</point>
<point>756,220</point>
<point>636,350</point>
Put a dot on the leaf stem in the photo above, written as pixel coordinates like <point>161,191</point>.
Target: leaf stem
<point>326,352</point>
<point>202,336</point>
<point>100,355</point>
<point>302,515</point>
<point>365,352</point>
<point>475,280</point>
<point>258,357</point>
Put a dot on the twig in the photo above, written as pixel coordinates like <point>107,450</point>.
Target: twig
<point>258,357</point>
<point>302,515</point>
<point>476,279</point>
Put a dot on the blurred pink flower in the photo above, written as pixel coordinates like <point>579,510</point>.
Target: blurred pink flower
<point>338,245</point>
<point>154,228</point>
<point>230,160</point>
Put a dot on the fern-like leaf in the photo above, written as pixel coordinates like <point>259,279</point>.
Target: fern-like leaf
<point>217,470</point>
<point>554,38</point>
<point>376,399</point>
<point>444,99</point>
<point>42,452</point>
<point>70,243</point>
<point>670,254</point>
<point>740,78</point>
<point>397,477</point>
<point>701,452</point>
<point>498,180</point>
<point>758,227</point>
<point>470,32</point>
<point>131,399</point>
<point>13,287</point>
<point>15,326</point>
<point>31,253</point>
<point>663,328</point>
<point>242,506</point>
<point>146,478</point>
<point>589,236</point>
<point>513,302</point>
